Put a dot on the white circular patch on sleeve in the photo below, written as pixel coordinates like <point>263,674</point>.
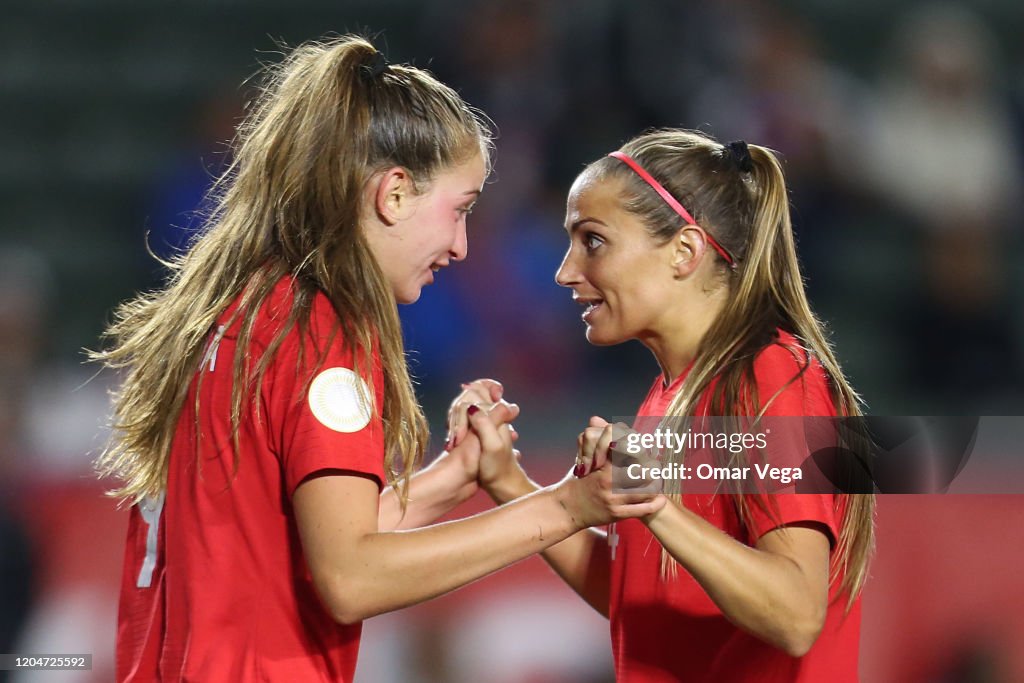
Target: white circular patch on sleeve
<point>339,399</point>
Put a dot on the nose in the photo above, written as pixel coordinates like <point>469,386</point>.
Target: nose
<point>460,247</point>
<point>568,273</point>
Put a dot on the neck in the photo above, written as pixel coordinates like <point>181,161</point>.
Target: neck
<point>676,340</point>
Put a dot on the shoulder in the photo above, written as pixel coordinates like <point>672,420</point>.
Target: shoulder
<point>297,325</point>
<point>304,314</point>
<point>286,293</point>
<point>781,360</point>
<point>790,378</point>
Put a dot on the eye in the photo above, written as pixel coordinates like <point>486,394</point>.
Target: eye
<point>592,241</point>
<point>465,210</point>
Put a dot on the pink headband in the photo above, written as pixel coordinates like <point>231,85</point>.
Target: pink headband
<point>670,200</point>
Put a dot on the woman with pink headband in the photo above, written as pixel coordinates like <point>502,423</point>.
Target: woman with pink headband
<point>686,245</point>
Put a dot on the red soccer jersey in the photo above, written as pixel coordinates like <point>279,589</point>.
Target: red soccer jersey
<point>215,586</point>
<point>670,630</point>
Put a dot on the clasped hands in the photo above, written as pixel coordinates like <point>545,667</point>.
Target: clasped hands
<point>481,438</point>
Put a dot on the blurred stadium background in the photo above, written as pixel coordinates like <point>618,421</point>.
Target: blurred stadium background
<point>902,125</point>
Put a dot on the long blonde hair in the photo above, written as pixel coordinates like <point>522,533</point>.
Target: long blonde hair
<point>747,212</point>
<point>328,117</point>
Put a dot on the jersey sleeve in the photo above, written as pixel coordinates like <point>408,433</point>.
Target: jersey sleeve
<point>794,508</point>
<point>799,406</point>
<point>323,411</point>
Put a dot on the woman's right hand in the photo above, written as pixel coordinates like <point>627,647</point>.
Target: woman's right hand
<point>592,500</point>
<point>590,492</point>
<point>499,472</point>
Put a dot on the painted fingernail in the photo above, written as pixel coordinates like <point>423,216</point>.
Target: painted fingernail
<point>611,446</point>
<point>473,409</point>
<point>577,471</point>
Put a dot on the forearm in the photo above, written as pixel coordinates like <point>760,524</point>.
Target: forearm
<point>584,563</point>
<point>433,492</point>
<point>764,593</point>
<point>582,560</point>
<point>390,570</point>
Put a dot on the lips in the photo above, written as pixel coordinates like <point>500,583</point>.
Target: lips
<point>591,305</point>
<point>433,268</point>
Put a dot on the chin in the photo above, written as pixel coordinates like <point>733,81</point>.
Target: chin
<point>599,338</point>
<point>410,296</point>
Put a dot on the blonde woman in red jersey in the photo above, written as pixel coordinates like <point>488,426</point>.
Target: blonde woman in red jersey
<point>686,245</point>
<point>266,432</point>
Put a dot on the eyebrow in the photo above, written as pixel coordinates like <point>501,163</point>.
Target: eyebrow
<point>471,193</point>
<point>586,219</point>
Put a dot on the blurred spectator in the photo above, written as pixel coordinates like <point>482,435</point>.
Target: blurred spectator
<point>944,153</point>
<point>48,424</point>
<point>24,294</point>
<point>54,411</point>
<point>26,290</point>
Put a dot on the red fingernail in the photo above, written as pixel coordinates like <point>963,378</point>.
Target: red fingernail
<point>577,471</point>
<point>473,409</point>
<point>611,446</point>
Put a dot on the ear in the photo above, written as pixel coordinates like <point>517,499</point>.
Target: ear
<point>394,194</point>
<point>689,246</point>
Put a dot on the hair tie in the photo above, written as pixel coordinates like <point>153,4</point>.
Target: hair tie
<point>374,66</point>
<point>739,154</point>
